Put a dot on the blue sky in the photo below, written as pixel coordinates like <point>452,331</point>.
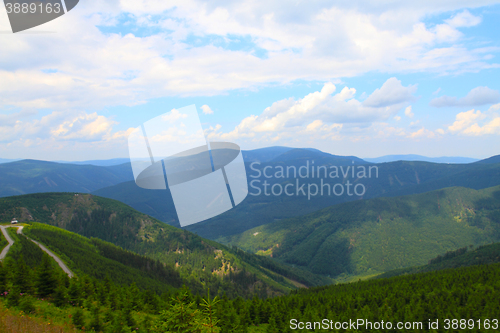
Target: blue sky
<point>367,78</point>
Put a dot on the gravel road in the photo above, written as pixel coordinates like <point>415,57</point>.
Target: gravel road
<point>50,253</point>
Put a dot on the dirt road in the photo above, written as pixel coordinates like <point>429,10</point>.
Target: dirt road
<point>9,240</point>
<point>50,253</point>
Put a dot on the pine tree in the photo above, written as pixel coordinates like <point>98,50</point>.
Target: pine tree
<point>95,322</point>
<point>74,293</point>
<point>60,297</point>
<point>22,278</point>
<point>77,318</point>
<point>46,282</point>
<point>3,278</point>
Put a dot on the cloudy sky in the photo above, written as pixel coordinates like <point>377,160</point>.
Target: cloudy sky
<point>364,78</point>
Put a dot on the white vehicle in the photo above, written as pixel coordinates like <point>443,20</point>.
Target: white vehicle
<point>14,221</point>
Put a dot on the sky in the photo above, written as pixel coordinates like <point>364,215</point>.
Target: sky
<point>363,78</point>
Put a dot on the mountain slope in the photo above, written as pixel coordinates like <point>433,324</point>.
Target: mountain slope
<point>463,257</point>
<point>99,259</point>
<point>196,259</point>
<point>377,235</point>
<point>30,176</point>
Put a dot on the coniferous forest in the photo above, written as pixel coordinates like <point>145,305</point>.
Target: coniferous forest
<point>34,288</point>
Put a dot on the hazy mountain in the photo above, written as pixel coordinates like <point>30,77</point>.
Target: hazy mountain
<point>263,154</point>
<point>394,179</point>
<point>31,176</point>
<point>492,159</point>
<point>412,157</point>
<point>110,162</point>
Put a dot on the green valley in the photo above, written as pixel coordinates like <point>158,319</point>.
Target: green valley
<point>368,237</point>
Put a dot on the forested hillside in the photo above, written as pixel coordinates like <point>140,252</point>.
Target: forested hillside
<point>462,299</point>
<point>197,260</point>
<point>462,257</point>
<point>373,236</point>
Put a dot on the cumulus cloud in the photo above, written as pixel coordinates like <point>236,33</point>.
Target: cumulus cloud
<point>61,126</point>
<point>408,112</point>
<point>392,92</point>
<point>476,97</point>
<point>323,110</point>
<point>206,109</point>
<point>463,19</point>
<point>477,123</point>
<point>422,133</point>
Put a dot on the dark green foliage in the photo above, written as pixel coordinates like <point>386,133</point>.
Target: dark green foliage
<point>26,304</point>
<point>483,255</point>
<point>86,257</point>
<point>31,253</point>
<point>470,292</point>
<point>77,318</point>
<point>22,279</point>
<point>46,281</point>
<point>184,317</point>
<point>60,296</point>
<point>3,277</point>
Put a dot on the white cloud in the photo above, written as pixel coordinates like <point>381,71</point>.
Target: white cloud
<point>83,127</point>
<point>391,93</point>
<point>304,41</point>
<point>206,109</point>
<point>476,123</point>
<point>475,97</point>
<point>463,19</point>
<point>322,111</point>
<point>408,112</point>
<point>397,118</point>
<point>422,133</point>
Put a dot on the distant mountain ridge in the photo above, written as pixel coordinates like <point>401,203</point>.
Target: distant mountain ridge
<point>413,157</point>
<point>32,176</point>
<point>394,179</point>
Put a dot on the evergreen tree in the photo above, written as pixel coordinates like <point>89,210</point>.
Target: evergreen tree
<point>77,318</point>
<point>95,322</point>
<point>74,293</point>
<point>60,297</point>
<point>183,317</point>
<point>46,281</point>
<point>22,276</point>
<point>3,278</point>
